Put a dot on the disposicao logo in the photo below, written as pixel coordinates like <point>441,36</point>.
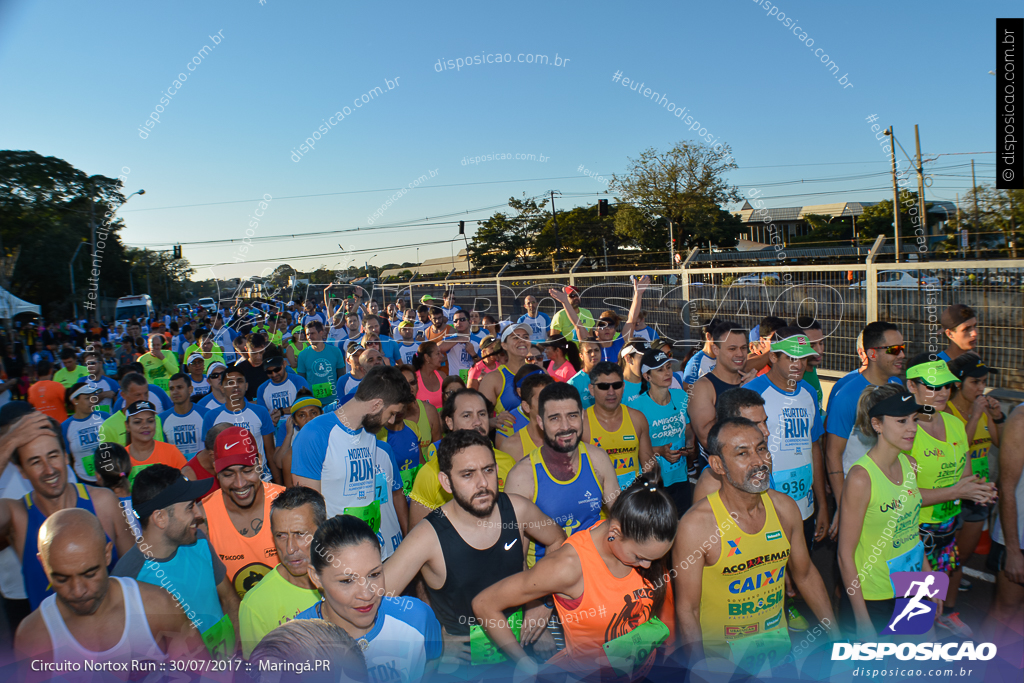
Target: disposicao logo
<point>914,613</point>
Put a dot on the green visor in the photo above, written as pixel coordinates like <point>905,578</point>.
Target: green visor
<point>935,374</point>
<point>797,346</point>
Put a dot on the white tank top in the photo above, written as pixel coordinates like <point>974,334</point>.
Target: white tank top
<point>997,527</point>
<point>136,642</point>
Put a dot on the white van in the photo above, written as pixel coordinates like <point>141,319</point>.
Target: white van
<point>139,306</point>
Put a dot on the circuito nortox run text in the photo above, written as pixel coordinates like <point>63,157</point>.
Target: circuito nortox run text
<point>339,116</point>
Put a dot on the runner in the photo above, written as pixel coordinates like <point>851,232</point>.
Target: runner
<point>206,348</point>
<point>620,431</point>
<point>466,532</point>
<point>338,455</point>
<point>561,323</point>
<point>404,446</point>
<point>816,337</point>
<point>464,410</point>
<point>631,357</point>
<point>113,471</point>
<point>421,417</point>
<point>237,513</point>
<point>81,430</point>
<point>590,355</point>
<point>665,410</point>
<point>983,418</point>
<point>568,480</point>
<point>607,585</point>
<point>450,385</point>
<point>886,356</point>
<point>320,364</point>
<point>243,413</point>
<point>372,327</point>
<point>492,357</point>
<point>498,387</point>
<point>737,402</point>
<point>460,350</point>
<point>731,349</point>
<point>279,391</point>
<point>36,449</point>
<point>179,558</point>
<point>406,345</point>
<point>93,619</point>
<point>158,365</point>
<point>539,323</point>
<point>528,438</point>
<point>71,373</point>
<point>107,387</point>
<point>182,425</point>
<point>733,548</point>
<point>215,377</point>
<point>201,465</point>
<point>47,396</point>
<point>702,362</point>
<point>255,350</point>
<point>398,635</point>
<point>960,324</point>
<point>564,357</point>
<point>427,363</point>
<point>143,426</point>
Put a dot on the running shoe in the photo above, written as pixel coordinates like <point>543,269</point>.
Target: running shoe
<point>965,585</point>
<point>952,623</point>
<point>795,619</point>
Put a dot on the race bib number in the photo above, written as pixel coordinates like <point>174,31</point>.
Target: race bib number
<point>910,561</point>
<point>628,653</point>
<point>380,488</point>
<point>945,511</point>
<point>409,478</point>
<point>162,382</point>
<point>89,465</point>
<point>220,639</point>
<point>979,464</point>
<point>323,390</point>
<point>795,483</point>
<point>482,649</point>
<point>752,652</point>
<point>368,513</point>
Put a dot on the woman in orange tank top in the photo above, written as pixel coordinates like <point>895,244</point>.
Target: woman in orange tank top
<point>606,582</point>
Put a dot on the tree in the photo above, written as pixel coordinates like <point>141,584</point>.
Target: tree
<point>581,233</point>
<point>824,230</point>
<point>877,220</point>
<point>685,185</point>
<point>502,237</point>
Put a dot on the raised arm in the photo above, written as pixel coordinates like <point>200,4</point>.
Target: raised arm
<point>640,286</point>
<point>574,318</point>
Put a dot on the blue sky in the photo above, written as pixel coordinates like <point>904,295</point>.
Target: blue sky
<point>79,79</point>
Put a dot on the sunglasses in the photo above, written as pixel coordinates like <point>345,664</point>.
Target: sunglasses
<point>894,350</point>
<point>216,375</point>
<point>275,370</point>
<point>535,359</point>
<point>605,386</point>
<point>459,320</point>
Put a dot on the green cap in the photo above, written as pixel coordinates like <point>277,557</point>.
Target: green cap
<point>797,346</point>
<point>935,374</point>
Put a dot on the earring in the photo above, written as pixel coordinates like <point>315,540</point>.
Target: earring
<point>611,538</point>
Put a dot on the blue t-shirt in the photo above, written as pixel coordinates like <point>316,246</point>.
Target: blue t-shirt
<point>539,326</point>
<point>698,366</point>
<point>405,636</point>
<point>253,417</point>
<point>405,447</point>
<point>321,369</point>
<point>581,380</point>
<point>184,431</point>
<point>273,396</point>
<point>611,353</point>
<point>842,407</point>
<point>944,356</point>
<point>520,421</point>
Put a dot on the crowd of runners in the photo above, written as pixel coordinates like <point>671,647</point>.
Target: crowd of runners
<point>425,491</point>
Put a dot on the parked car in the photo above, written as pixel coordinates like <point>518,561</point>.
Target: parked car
<point>755,279</point>
<point>209,304</point>
<point>901,279</point>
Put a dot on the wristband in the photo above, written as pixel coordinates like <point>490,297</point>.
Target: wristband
<point>1001,420</point>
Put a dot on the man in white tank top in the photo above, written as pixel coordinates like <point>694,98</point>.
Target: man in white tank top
<point>117,624</point>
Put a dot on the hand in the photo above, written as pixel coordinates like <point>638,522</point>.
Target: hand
<point>289,427</point>
<point>275,415</point>
<point>833,531</point>
<point>641,284</point>
<point>673,456</point>
<point>545,647</point>
<point>502,420</point>
<point>559,296</point>
<point>821,525</point>
<point>747,376</point>
<point>994,409</point>
<point>1014,565</point>
<point>456,649</point>
<point>973,488</point>
<point>979,407</point>
<point>28,428</point>
<point>535,622</point>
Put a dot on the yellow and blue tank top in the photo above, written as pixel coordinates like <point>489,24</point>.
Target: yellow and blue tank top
<point>622,446</point>
<point>574,505</point>
<point>507,399</point>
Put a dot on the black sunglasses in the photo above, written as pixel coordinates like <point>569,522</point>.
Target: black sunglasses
<point>535,359</point>
<point>605,386</point>
<point>215,375</point>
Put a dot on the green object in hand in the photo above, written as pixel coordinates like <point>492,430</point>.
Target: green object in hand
<point>483,650</point>
<point>368,513</point>
<point>629,652</point>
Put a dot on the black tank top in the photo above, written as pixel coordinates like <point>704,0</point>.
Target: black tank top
<point>469,571</point>
<point>721,386</point>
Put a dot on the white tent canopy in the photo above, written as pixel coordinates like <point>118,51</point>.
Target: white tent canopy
<point>11,305</point>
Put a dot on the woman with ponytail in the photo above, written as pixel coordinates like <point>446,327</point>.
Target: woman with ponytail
<point>564,357</point>
<point>114,472</point>
<point>427,363</point>
<point>606,582</point>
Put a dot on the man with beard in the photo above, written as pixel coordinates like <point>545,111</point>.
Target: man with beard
<point>237,513</point>
<point>338,454</point>
<point>92,618</point>
<point>471,542</point>
<point>465,409</point>
<point>568,481</point>
<point>287,589</point>
<point>36,448</point>
<point>733,550</point>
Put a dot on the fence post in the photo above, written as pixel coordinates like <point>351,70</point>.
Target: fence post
<point>684,275</point>
<point>497,286</point>
<point>871,282</point>
<point>572,271</point>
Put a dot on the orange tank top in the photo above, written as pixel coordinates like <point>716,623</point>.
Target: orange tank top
<point>247,558</point>
<point>609,607</point>
<point>163,454</point>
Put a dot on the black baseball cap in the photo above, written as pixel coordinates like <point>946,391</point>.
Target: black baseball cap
<point>180,491</point>
<point>653,359</point>
<point>970,365</point>
<point>897,405</point>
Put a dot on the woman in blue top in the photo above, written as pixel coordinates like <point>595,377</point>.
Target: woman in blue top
<point>671,436</point>
<point>81,430</point>
<point>399,635</point>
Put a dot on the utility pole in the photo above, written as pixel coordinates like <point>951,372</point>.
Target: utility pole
<point>895,194</point>
<point>604,243</point>
<point>920,188</point>
<point>959,225</point>
<point>671,246</point>
<point>554,219</point>
<point>977,225</point>
<point>93,315</point>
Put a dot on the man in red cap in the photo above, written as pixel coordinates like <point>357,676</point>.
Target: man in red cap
<point>238,513</point>
<point>561,325</point>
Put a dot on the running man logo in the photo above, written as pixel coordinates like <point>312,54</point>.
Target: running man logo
<point>915,612</point>
<point>734,548</point>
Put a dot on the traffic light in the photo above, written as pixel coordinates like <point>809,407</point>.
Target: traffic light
<point>602,207</point>
<point>177,251</point>
<point>462,227</point>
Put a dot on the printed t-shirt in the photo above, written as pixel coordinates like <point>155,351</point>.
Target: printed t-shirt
<point>280,396</point>
<point>159,370</point>
<point>940,464</point>
<point>185,432</point>
<point>982,443</point>
<point>404,637</point>
<point>458,358</point>
<point>667,425</point>
<point>561,324</point>
<point>253,417</point>
<point>69,379</point>
<point>355,472</point>
<point>794,426</point>
<point>320,369</point>
<point>81,437</point>
<point>270,603</point>
<point>698,366</point>
<point>539,326</point>
<point>247,558</point>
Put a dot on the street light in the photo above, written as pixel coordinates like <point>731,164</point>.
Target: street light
<point>366,264</point>
<point>92,229</point>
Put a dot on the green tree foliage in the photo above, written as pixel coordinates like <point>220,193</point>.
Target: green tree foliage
<point>877,220</point>
<point>998,230</point>
<point>503,238</point>
<point>822,230</point>
<point>580,233</point>
<point>687,185</point>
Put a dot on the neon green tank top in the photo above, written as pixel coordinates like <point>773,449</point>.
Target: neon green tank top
<point>890,527</point>
<point>940,464</point>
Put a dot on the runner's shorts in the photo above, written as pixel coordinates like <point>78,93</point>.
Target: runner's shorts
<point>940,544</point>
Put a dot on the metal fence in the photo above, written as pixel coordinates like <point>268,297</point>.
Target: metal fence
<point>842,297</point>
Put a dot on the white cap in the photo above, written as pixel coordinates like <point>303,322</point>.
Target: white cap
<point>512,328</point>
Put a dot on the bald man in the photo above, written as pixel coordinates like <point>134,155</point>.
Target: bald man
<point>36,447</point>
<point>90,616</point>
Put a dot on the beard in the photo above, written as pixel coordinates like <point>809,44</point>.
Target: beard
<point>553,444</point>
<point>373,423</point>
<point>749,485</point>
<point>468,506</point>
